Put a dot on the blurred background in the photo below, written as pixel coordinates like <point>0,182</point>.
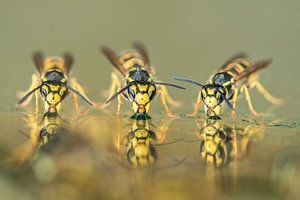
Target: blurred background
<point>186,38</point>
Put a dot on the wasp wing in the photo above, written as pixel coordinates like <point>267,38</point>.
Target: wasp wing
<point>112,57</point>
<point>69,61</point>
<point>38,60</point>
<point>257,66</point>
<point>239,55</point>
<point>141,49</point>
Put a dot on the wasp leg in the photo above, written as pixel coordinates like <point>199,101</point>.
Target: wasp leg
<point>246,92</point>
<point>169,99</point>
<point>234,142</point>
<point>197,106</point>
<point>115,86</point>
<point>162,130</point>
<point>79,88</point>
<point>36,109</point>
<point>23,153</point>
<point>233,101</point>
<point>164,103</point>
<point>34,84</point>
<point>267,95</point>
<point>120,101</point>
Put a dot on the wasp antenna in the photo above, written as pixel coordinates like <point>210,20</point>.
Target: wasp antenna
<point>28,95</point>
<point>170,84</point>
<point>228,102</point>
<point>177,78</point>
<point>80,95</point>
<point>117,93</point>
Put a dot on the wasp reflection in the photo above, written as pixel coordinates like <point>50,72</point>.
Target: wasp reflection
<point>139,148</point>
<point>138,143</point>
<point>221,143</point>
<point>44,134</point>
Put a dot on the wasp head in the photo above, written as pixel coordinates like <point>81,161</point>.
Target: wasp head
<point>213,97</point>
<point>141,94</point>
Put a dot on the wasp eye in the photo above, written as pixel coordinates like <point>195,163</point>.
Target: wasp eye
<point>63,93</point>
<point>131,93</point>
<point>151,94</point>
<point>44,93</point>
<point>220,99</point>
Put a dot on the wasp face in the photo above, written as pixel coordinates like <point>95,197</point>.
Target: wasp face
<point>141,94</point>
<point>52,91</point>
<point>53,95</point>
<point>213,99</point>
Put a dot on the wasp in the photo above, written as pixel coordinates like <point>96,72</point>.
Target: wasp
<point>134,81</point>
<point>236,76</point>
<point>51,83</point>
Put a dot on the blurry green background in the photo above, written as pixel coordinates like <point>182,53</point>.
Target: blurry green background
<point>187,38</point>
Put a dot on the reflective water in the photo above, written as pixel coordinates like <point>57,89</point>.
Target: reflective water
<point>99,157</point>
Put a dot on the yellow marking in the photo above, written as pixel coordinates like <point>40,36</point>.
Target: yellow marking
<point>131,58</point>
<point>227,83</point>
<point>231,74</point>
<point>142,87</point>
<point>54,88</point>
<point>62,90</point>
<point>53,98</point>
<point>151,89</point>
<point>211,90</point>
<point>238,67</point>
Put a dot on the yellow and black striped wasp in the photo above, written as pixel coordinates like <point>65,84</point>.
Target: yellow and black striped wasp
<point>52,83</point>
<point>236,76</point>
<point>134,70</point>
